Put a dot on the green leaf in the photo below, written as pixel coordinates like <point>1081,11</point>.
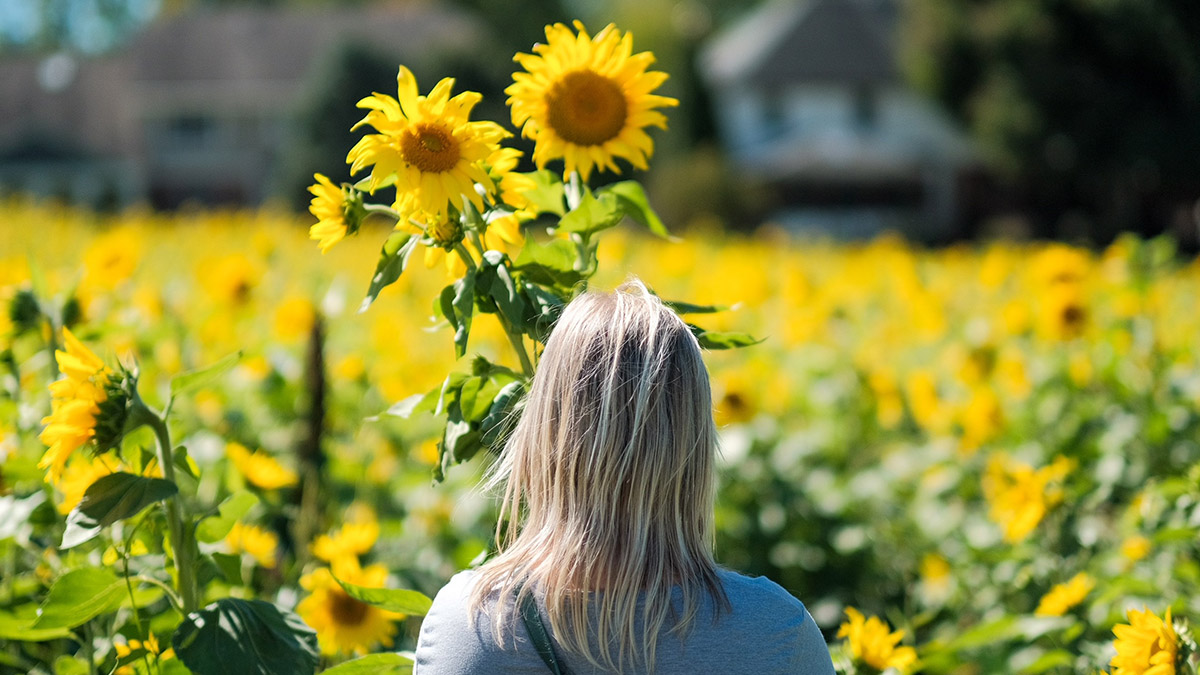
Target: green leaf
<point>459,439</point>
<point>689,308</point>
<point>374,664</point>
<point>18,625</point>
<point>711,340</point>
<point>468,394</point>
<point>501,288</point>
<point>172,667</point>
<point>184,463</point>
<point>393,258</point>
<point>548,196</point>
<point>1058,658</point>
<point>463,305</point>
<point>412,603</point>
<point>592,214</point>
<point>1004,628</point>
<point>114,497</point>
<point>476,398</point>
<point>79,596</point>
<point>551,263</point>
<point>194,379</point>
<point>500,420</point>
<point>632,201</point>
<point>449,390</point>
<point>214,528</point>
<point>69,665</point>
<point>417,403</point>
<point>230,566</point>
<point>546,308</point>
<point>245,637</point>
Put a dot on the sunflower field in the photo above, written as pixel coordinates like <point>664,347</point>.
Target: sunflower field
<point>227,446</point>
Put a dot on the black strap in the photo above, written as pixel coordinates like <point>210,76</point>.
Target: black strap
<point>540,636</point>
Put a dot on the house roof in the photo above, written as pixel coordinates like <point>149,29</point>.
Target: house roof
<point>789,41</point>
<point>241,57</point>
<point>263,44</point>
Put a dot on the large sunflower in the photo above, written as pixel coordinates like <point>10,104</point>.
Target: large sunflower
<point>75,406</point>
<point>587,100</point>
<point>1147,645</point>
<point>428,144</point>
<point>344,624</point>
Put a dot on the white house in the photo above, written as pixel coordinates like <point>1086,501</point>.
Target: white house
<point>809,102</point>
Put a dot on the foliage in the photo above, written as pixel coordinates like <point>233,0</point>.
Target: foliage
<point>855,438</point>
<point>1088,107</point>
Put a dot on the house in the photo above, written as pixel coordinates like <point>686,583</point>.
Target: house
<point>809,102</point>
<point>197,106</point>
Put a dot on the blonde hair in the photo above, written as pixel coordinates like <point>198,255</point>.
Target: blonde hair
<point>608,483</point>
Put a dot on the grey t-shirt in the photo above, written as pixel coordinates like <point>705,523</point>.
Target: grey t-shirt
<point>767,631</point>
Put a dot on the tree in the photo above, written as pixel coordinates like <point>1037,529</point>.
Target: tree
<point>1086,109</point>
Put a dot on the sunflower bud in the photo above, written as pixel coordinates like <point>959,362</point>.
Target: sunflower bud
<point>112,422</point>
<point>444,232</point>
<point>354,212</point>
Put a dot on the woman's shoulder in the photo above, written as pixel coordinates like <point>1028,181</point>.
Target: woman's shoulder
<point>764,614</point>
<point>746,592</point>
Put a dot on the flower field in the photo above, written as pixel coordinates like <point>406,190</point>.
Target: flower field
<point>227,449</point>
<point>993,449</point>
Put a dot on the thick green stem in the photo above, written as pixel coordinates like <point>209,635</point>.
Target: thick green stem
<point>52,347</point>
<point>518,344</point>
<point>514,337</point>
<point>89,646</point>
<point>178,525</point>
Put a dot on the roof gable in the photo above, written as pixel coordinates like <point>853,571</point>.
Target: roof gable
<point>788,41</point>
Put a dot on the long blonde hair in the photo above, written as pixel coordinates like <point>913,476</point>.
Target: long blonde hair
<point>608,483</point>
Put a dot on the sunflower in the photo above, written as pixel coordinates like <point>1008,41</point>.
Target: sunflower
<point>352,539</point>
<point>587,100</point>
<point>871,641</point>
<point>1147,645</point>
<point>344,624</point>
<point>260,544</point>
<point>1019,496</point>
<point>260,468</point>
<point>338,210</point>
<point>1063,597</point>
<point>504,231</point>
<point>76,406</point>
<point>428,144</point>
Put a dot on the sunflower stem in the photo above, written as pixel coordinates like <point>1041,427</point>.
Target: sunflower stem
<point>514,337</point>
<point>465,255</point>
<point>476,239</point>
<point>383,210</point>
<point>178,526</point>
<point>518,344</point>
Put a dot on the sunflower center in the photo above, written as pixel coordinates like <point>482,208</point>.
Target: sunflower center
<point>586,108</point>
<point>430,148</point>
<point>347,611</point>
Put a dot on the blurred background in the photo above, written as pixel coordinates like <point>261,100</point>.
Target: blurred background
<point>939,119</point>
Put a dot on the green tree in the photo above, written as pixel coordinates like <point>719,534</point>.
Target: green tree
<point>1086,109</point>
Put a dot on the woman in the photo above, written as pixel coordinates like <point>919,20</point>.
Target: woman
<point>607,522</point>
